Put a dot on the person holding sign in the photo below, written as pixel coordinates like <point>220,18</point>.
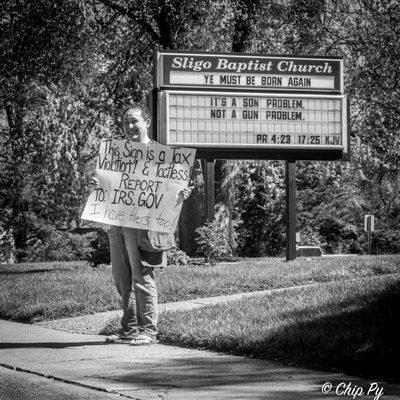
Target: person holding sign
<point>135,251</point>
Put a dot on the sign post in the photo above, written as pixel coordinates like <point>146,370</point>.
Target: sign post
<point>210,189</point>
<point>290,210</point>
<point>369,227</point>
<point>244,106</point>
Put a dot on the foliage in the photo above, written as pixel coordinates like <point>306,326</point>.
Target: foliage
<point>373,43</point>
<point>189,221</point>
<point>213,241</point>
<point>100,253</point>
<point>339,237</point>
<point>66,246</point>
<point>176,256</point>
<point>385,242</point>
<point>46,120</point>
<point>68,67</point>
<point>55,245</point>
<point>330,208</point>
<point>258,191</point>
<point>7,248</point>
<point>370,184</point>
<point>64,79</point>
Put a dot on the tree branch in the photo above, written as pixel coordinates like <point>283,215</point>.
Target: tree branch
<point>140,21</point>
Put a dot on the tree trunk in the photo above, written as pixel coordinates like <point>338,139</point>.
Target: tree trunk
<point>193,212</point>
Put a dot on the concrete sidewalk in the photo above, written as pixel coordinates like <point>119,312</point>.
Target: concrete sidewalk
<point>95,370</point>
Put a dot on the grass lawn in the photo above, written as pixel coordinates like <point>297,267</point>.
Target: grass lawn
<point>185,283</point>
<point>346,324</point>
<point>35,292</point>
<point>43,291</point>
<point>352,327</point>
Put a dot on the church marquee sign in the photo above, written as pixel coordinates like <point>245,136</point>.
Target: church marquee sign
<point>252,106</point>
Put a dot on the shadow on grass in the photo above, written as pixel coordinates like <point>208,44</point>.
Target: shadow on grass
<point>359,335</point>
<point>362,339</point>
<point>33,271</point>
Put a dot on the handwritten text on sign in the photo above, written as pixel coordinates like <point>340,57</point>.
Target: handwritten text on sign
<point>139,185</point>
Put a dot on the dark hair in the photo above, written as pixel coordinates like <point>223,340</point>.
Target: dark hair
<point>144,110</point>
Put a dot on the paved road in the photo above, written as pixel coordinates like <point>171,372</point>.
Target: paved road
<point>16,385</point>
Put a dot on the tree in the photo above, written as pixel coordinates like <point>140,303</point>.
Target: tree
<point>375,83</point>
<point>68,67</point>
<point>258,206</point>
<point>166,24</point>
<point>40,48</point>
<point>53,98</point>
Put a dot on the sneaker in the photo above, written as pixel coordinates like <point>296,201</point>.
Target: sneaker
<point>142,340</point>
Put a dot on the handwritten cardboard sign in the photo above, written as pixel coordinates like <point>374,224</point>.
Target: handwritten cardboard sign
<point>139,185</point>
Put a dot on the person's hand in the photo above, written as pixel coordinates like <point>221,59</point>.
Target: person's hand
<point>184,194</point>
<point>94,182</point>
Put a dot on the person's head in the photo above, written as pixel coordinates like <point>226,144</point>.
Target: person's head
<point>136,123</point>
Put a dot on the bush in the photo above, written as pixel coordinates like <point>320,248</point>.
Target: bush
<point>385,242</point>
<point>7,247</point>
<point>259,207</point>
<point>213,241</point>
<point>338,236</point>
<point>55,245</point>
<point>100,253</point>
<point>69,246</point>
<point>176,256</point>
